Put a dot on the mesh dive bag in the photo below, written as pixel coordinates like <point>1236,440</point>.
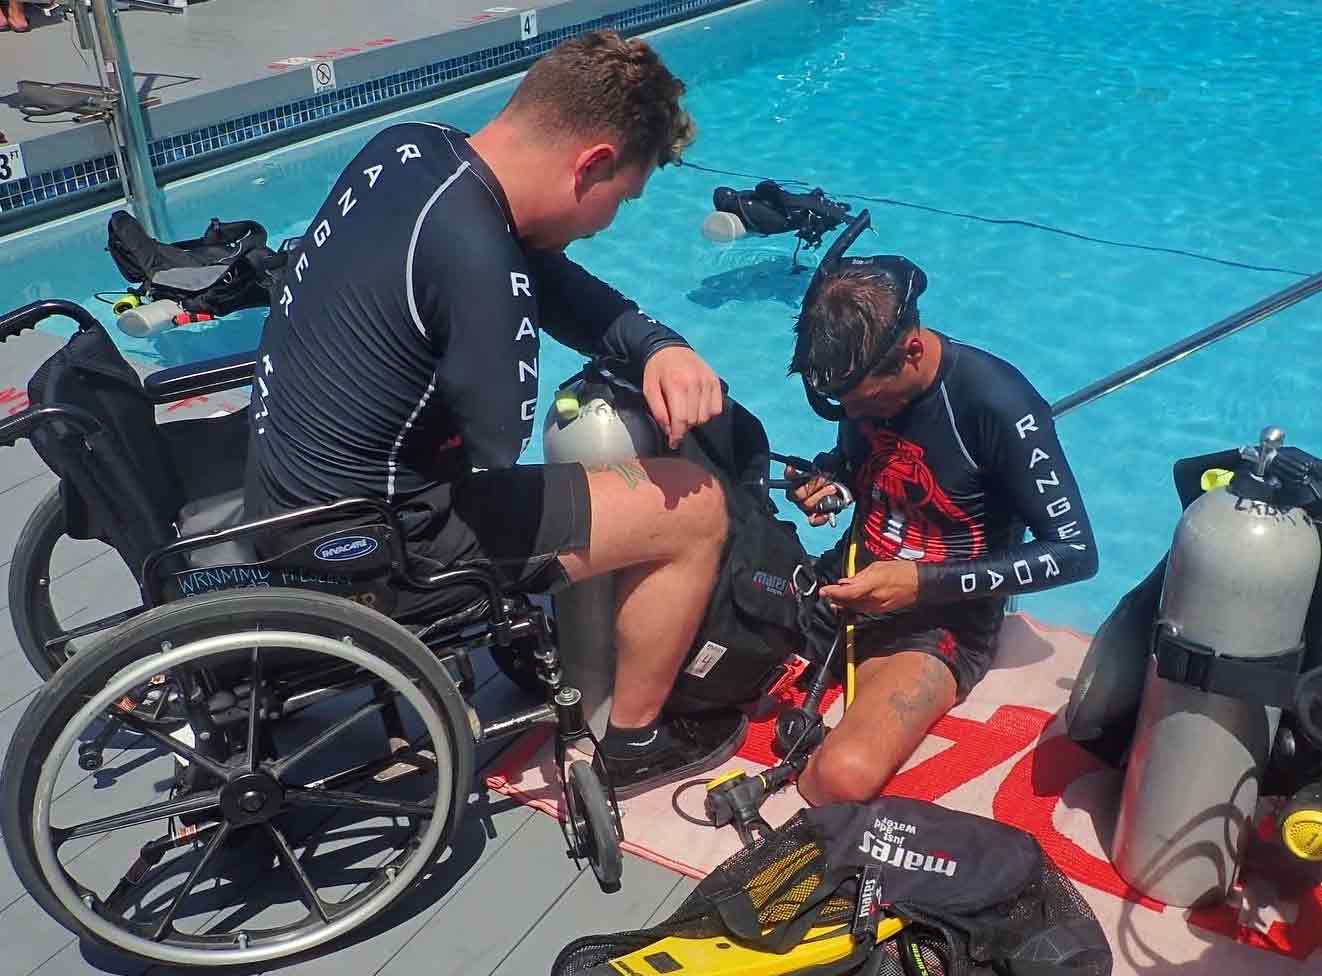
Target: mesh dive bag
<point>980,897</point>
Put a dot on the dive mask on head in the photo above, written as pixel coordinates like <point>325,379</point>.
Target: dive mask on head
<point>905,278</point>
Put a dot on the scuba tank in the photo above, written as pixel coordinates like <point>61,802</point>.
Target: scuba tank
<point>149,318</point>
<point>594,422</point>
<point>1229,633</point>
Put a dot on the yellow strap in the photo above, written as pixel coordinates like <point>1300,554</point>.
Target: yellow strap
<point>849,618</point>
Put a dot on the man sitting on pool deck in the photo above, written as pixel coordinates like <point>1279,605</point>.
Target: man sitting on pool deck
<point>949,451</point>
<point>400,361</point>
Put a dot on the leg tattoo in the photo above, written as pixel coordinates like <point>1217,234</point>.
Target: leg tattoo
<point>633,472</point>
<point>915,703</point>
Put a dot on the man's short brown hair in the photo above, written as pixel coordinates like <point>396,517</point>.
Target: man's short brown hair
<point>598,83</point>
<point>849,329</point>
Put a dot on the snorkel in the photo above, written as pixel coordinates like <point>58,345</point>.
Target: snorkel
<point>905,279</point>
<point>821,406</point>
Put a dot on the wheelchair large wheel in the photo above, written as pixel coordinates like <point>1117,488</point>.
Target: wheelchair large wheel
<point>30,606</point>
<point>324,764</point>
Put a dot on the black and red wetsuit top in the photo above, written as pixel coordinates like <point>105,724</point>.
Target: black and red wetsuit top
<point>953,480</point>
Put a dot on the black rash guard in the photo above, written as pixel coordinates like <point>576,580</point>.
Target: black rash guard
<point>952,480</point>
<point>402,351</point>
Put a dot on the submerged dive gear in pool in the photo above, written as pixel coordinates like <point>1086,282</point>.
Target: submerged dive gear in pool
<point>769,209</point>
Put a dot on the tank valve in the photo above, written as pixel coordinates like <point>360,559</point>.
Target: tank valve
<point>1271,440</point>
<point>566,406</point>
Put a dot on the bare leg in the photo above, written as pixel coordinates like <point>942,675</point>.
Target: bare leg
<point>660,524</point>
<point>896,701</point>
<point>16,15</point>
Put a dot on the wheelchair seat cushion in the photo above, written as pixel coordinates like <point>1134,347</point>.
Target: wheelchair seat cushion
<point>210,514</point>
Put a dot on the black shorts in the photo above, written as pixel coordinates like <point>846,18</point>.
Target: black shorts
<point>519,519</point>
<point>966,646</point>
<point>962,636</point>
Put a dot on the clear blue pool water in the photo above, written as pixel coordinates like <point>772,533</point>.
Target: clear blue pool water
<point>1190,126</point>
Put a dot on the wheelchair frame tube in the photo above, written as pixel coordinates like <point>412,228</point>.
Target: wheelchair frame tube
<point>96,626</point>
<point>518,722</point>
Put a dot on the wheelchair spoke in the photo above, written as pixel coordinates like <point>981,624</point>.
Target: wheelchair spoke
<point>166,921</point>
<point>290,861</point>
<point>174,745</point>
<point>279,768</point>
<point>355,801</point>
<point>254,712</point>
<point>160,811</point>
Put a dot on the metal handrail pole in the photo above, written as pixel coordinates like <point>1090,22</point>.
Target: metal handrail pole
<point>90,39</point>
<point>141,188</point>
<point>1178,350</point>
<point>1189,345</point>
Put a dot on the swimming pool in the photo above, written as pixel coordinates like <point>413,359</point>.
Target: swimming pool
<point>1188,126</point>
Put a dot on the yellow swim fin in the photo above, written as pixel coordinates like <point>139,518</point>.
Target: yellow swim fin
<point>721,956</point>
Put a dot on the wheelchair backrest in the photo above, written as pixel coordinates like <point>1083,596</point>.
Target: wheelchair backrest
<point>118,485</point>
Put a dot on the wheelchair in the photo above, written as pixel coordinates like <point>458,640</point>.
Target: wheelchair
<point>230,694</point>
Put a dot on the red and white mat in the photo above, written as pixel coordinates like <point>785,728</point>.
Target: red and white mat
<point>1000,754</point>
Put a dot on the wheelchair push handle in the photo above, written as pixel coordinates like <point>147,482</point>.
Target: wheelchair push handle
<point>14,429</point>
<point>27,317</point>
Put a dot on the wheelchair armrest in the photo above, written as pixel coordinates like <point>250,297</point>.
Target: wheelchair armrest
<point>195,379</point>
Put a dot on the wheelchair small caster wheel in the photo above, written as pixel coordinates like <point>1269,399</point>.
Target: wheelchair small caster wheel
<point>592,829</point>
<point>90,760</point>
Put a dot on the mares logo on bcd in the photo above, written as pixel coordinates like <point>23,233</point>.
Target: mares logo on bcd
<point>890,845</point>
<point>771,583</point>
<point>346,548</point>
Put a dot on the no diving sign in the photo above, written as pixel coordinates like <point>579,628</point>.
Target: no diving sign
<point>323,76</point>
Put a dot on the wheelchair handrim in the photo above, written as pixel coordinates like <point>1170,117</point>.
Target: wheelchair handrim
<point>47,854</point>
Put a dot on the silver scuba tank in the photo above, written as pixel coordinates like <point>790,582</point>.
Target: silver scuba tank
<point>141,321</point>
<point>723,228</point>
<point>593,425</point>
<point>1238,584</point>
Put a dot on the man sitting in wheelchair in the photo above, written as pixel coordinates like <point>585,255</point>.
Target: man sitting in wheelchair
<point>400,362</point>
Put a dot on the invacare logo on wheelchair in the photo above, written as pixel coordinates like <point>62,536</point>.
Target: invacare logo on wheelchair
<point>346,548</point>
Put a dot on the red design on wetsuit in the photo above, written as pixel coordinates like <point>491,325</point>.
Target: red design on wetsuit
<point>908,515</point>
<point>947,645</point>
